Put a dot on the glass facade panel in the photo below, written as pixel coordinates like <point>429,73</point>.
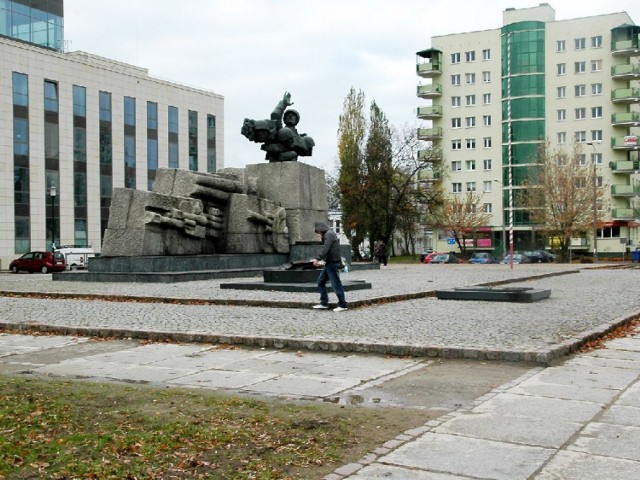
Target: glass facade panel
<point>79,101</point>
<point>20,89</point>
<point>39,22</point>
<point>193,140</point>
<point>211,143</point>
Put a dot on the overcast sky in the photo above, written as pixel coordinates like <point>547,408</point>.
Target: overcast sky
<point>252,51</point>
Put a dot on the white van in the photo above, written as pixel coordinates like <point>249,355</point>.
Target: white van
<point>76,256</point>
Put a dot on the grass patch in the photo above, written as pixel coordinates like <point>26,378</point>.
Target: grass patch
<point>52,429</point>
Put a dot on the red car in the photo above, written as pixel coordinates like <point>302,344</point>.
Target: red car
<point>44,262</point>
<point>430,257</point>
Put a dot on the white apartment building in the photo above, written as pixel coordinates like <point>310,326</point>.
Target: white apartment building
<point>539,79</point>
<point>84,125</point>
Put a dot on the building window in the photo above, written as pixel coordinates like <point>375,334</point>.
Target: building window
<point>193,140</point>
<point>562,92</point>
<point>596,135</point>
<point>129,142</point>
<point>471,186</point>
<point>487,208</point>
<point>455,57</point>
<point>456,144</point>
<point>581,90</point>
<point>561,45</point>
<point>470,78</point>
<point>152,143</point>
<point>470,56</point>
<point>596,112</point>
<point>456,166</point>
<point>582,159</point>
<point>486,54</point>
<point>580,136</point>
<point>486,120</point>
<point>487,185</point>
<point>562,115</point>
<point>596,89</point>
<point>471,165</point>
<point>486,99</point>
<point>486,164</point>
<point>486,142</point>
<point>129,111</point>
<point>580,67</point>
<point>562,138</point>
<point>211,145</point>
<point>50,96</point>
<point>581,113</point>
<point>580,43</point>
<point>456,122</point>
<point>596,42</point>
<point>456,187</point>
<point>173,125</point>
<point>596,65</point>
<point>486,77</point>
<point>470,122</point>
<point>456,101</point>
<point>561,68</point>
<point>596,158</point>
<point>470,143</point>
<point>470,100</point>
<point>455,79</point>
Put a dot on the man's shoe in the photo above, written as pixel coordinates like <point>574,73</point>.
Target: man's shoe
<point>320,307</point>
<point>340,309</point>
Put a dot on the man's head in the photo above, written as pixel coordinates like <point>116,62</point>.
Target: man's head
<point>321,228</point>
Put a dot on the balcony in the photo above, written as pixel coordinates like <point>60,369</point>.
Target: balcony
<point>626,71</point>
<point>429,63</point>
<point>625,166</point>
<point>622,214</point>
<point>625,95</point>
<point>430,134</point>
<point>429,155</point>
<point>430,91</point>
<point>430,113</point>
<point>625,190</point>
<point>625,119</point>
<point>628,142</point>
<point>626,48</point>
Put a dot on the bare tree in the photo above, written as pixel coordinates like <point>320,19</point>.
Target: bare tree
<point>559,196</point>
<point>461,215</point>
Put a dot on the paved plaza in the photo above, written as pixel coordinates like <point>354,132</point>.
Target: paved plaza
<point>553,415</point>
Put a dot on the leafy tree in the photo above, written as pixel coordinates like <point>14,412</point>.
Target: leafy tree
<point>559,196</point>
<point>460,215</point>
<point>380,173</point>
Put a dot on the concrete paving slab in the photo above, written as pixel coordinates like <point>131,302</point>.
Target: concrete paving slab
<point>222,379</point>
<point>469,456</point>
<point>126,372</point>
<point>536,386</point>
<point>609,440</point>
<point>146,354</point>
<point>13,344</point>
<point>614,354</point>
<point>305,386</point>
<point>375,471</point>
<point>628,343</point>
<point>589,375</point>
<point>632,364</point>
<point>631,397</point>
<point>537,431</point>
<point>622,415</point>
<point>567,465</point>
<point>263,365</point>
<point>508,404</point>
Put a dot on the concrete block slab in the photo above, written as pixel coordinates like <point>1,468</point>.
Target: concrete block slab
<point>631,397</point>
<point>536,387</point>
<point>633,364</point>
<point>211,359</point>
<point>574,373</point>
<point>567,465</point>
<point>615,354</point>
<point>304,386</point>
<point>113,371</point>
<point>222,379</point>
<point>469,456</point>
<point>622,415</point>
<point>149,353</point>
<point>617,441</point>
<point>631,344</point>
<point>539,431</point>
<point>386,472</point>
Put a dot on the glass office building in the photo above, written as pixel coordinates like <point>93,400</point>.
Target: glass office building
<point>35,21</point>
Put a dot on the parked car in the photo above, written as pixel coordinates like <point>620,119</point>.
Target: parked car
<point>76,256</point>
<point>430,257</point>
<point>44,262</point>
<point>446,258</point>
<point>424,254</point>
<point>539,256</point>
<point>483,258</point>
<point>517,258</point>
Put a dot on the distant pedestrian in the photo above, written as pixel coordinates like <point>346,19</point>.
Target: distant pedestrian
<point>380,251</point>
<point>330,259</point>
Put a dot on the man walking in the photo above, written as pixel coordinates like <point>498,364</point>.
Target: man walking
<point>330,258</point>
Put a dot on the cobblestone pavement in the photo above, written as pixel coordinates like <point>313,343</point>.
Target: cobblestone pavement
<point>583,301</point>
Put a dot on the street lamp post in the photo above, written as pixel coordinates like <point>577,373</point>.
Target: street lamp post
<point>595,203</point>
<point>504,227</point>
<point>52,194</point>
